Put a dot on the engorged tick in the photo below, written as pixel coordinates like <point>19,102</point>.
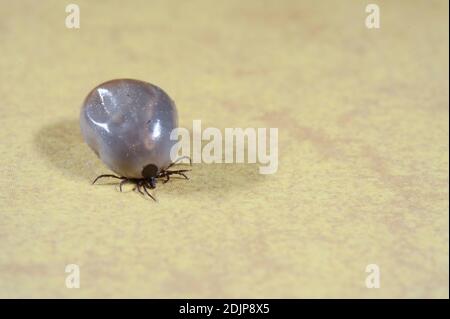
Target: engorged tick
<point>127,123</point>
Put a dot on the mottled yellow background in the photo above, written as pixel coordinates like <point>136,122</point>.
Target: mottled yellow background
<point>363,150</point>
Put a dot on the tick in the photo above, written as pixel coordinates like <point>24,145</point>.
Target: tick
<point>127,123</point>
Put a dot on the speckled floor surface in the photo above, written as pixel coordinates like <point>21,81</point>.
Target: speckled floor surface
<point>363,150</point>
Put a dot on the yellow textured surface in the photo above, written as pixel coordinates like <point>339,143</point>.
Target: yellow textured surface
<point>363,134</point>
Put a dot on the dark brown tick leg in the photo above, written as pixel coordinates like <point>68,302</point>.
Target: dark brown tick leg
<point>179,160</point>
<point>167,179</point>
<point>147,192</point>
<point>139,188</point>
<point>179,172</point>
<point>123,182</point>
<point>182,174</point>
<point>107,175</point>
<point>138,184</point>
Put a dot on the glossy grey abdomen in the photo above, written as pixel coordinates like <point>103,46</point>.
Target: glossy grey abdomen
<point>128,124</point>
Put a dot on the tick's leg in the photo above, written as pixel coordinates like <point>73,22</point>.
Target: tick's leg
<point>179,160</point>
<point>138,185</point>
<point>106,175</point>
<point>182,174</point>
<point>167,179</point>
<point>178,172</point>
<point>163,174</point>
<point>147,192</point>
<point>123,182</point>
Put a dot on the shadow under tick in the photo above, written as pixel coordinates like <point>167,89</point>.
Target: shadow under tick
<point>62,145</point>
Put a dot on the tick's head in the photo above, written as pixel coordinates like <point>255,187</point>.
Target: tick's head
<point>150,171</point>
